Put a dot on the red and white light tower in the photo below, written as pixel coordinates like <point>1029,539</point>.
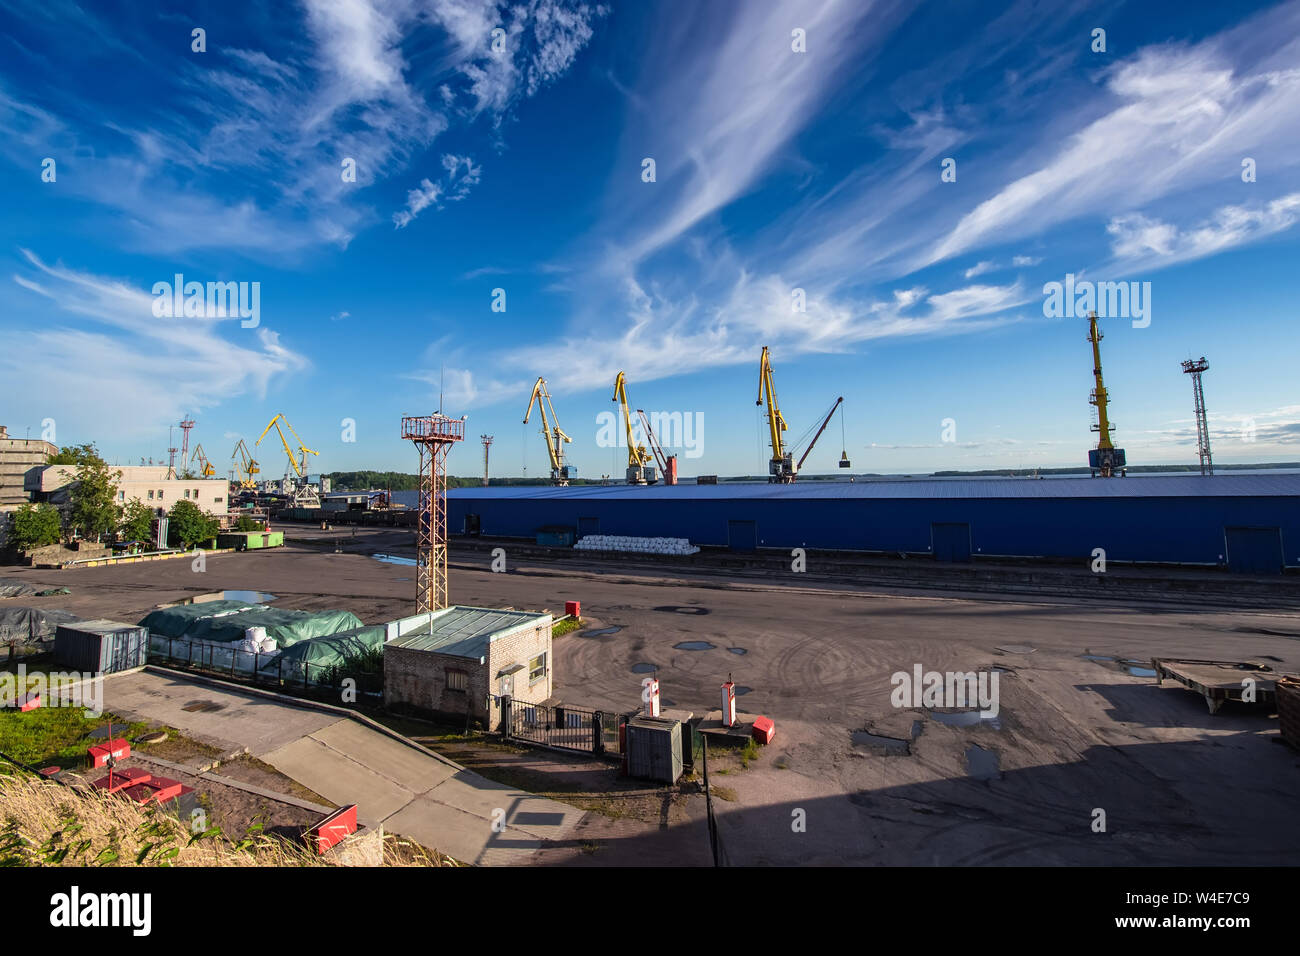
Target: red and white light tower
<point>433,436</point>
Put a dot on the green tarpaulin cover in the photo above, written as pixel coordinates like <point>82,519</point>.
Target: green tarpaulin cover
<point>225,621</point>
<point>330,651</point>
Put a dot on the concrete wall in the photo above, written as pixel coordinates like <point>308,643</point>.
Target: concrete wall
<point>18,458</point>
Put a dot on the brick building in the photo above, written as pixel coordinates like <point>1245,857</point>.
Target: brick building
<point>18,458</point>
<point>465,659</point>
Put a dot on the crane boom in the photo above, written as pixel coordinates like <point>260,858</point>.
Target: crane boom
<point>637,456</point>
<point>299,470</point>
<point>551,431</point>
<point>825,421</point>
<point>781,468</point>
<point>207,471</point>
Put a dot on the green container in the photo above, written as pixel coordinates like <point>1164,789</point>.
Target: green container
<point>275,539</point>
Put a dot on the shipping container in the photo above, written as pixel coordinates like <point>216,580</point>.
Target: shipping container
<point>101,647</point>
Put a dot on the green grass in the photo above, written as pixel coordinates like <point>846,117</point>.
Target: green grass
<point>749,752</point>
<point>59,736</point>
<point>723,793</point>
<point>567,625</point>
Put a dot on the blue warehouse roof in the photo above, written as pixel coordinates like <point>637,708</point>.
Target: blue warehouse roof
<point>1134,486</point>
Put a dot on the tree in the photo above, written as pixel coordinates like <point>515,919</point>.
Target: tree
<point>187,524</point>
<point>36,526</point>
<point>245,523</point>
<point>137,521</point>
<point>94,509</point>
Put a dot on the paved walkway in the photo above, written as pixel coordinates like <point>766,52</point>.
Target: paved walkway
<point>429,799</point>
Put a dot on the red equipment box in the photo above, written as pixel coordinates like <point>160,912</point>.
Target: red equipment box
<point>118,749</point>
<point>764,730</point>
<point>333,828</point>
<point>573,608</point>
<point>116,781</point>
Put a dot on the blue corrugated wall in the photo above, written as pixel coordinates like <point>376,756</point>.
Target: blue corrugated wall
<point>1163,529</point>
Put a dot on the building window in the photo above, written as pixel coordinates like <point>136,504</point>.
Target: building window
<point>121,496</point>
<point>457,680</point>
<point>151,494</point>
<point>217,500</point>
<point>537,668</point>
<point>160,494</point>
<point>187,492</point>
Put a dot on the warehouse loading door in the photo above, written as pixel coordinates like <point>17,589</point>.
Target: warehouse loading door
<point>742,535</point>
<point>588,526</point>
<point>1254,550</point>
<point>951,541</point>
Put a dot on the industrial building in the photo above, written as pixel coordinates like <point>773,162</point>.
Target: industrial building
<point>1246,522</point>
<point>149,484</point>
<point>462,660</point>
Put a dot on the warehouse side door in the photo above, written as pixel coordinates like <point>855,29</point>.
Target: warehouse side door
<point>742,535</point>
<point>588,526</point>
<point>951,541</point>
<point>1254,550</point>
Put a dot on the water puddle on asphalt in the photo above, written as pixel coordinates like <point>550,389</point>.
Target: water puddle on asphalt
<point>1141,671</point>
<point>1096,657</point>
<point>694,646</point>
<point>641,667</point>
<point>888,746</point>
<point>602,631</point>
<point>737,650</point>
<point>252,597</point>
<point>982,764</point>
<point>965,718</point>
<point>394,559</point>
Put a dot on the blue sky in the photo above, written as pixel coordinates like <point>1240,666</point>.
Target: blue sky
<point>521,168</point>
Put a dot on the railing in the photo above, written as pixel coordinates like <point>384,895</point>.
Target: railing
<point>563,726</point>
<point>264,669</point>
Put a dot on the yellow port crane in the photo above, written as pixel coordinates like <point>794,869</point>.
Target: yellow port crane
<point>206,468</point>
<point>639,469</point>
<point>782,468</point>
<point>1104,460</point>
<point>555,437</point>
<point>245,466</point>
<point>299,469</point>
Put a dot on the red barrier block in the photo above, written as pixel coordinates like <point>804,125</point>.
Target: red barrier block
<point>764,730</point>
<point>29,702</point>
<point>122,780</point>
<point>573,608</point>
<point>164,788</point>
<point>333,828</point>
<point>49,771</point>
<point>118,749</point>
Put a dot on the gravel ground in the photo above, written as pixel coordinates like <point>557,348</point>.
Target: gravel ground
<point>1075,736</point>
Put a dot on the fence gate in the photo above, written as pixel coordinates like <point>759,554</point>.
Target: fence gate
<point>563,726</point>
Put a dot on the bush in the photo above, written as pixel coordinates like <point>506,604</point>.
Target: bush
<point>137,521</point>
<point>36,526</point>
<point>245,523</point>
<point>188,525</point>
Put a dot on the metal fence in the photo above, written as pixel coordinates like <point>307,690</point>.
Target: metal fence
<point>264,669</point>
<point>562,726</point>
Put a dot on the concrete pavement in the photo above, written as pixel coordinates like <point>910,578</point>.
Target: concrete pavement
<point>429,799</point>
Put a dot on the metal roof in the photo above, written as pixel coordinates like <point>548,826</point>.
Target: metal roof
<point>1230,485</point>
<point>465,631</point>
